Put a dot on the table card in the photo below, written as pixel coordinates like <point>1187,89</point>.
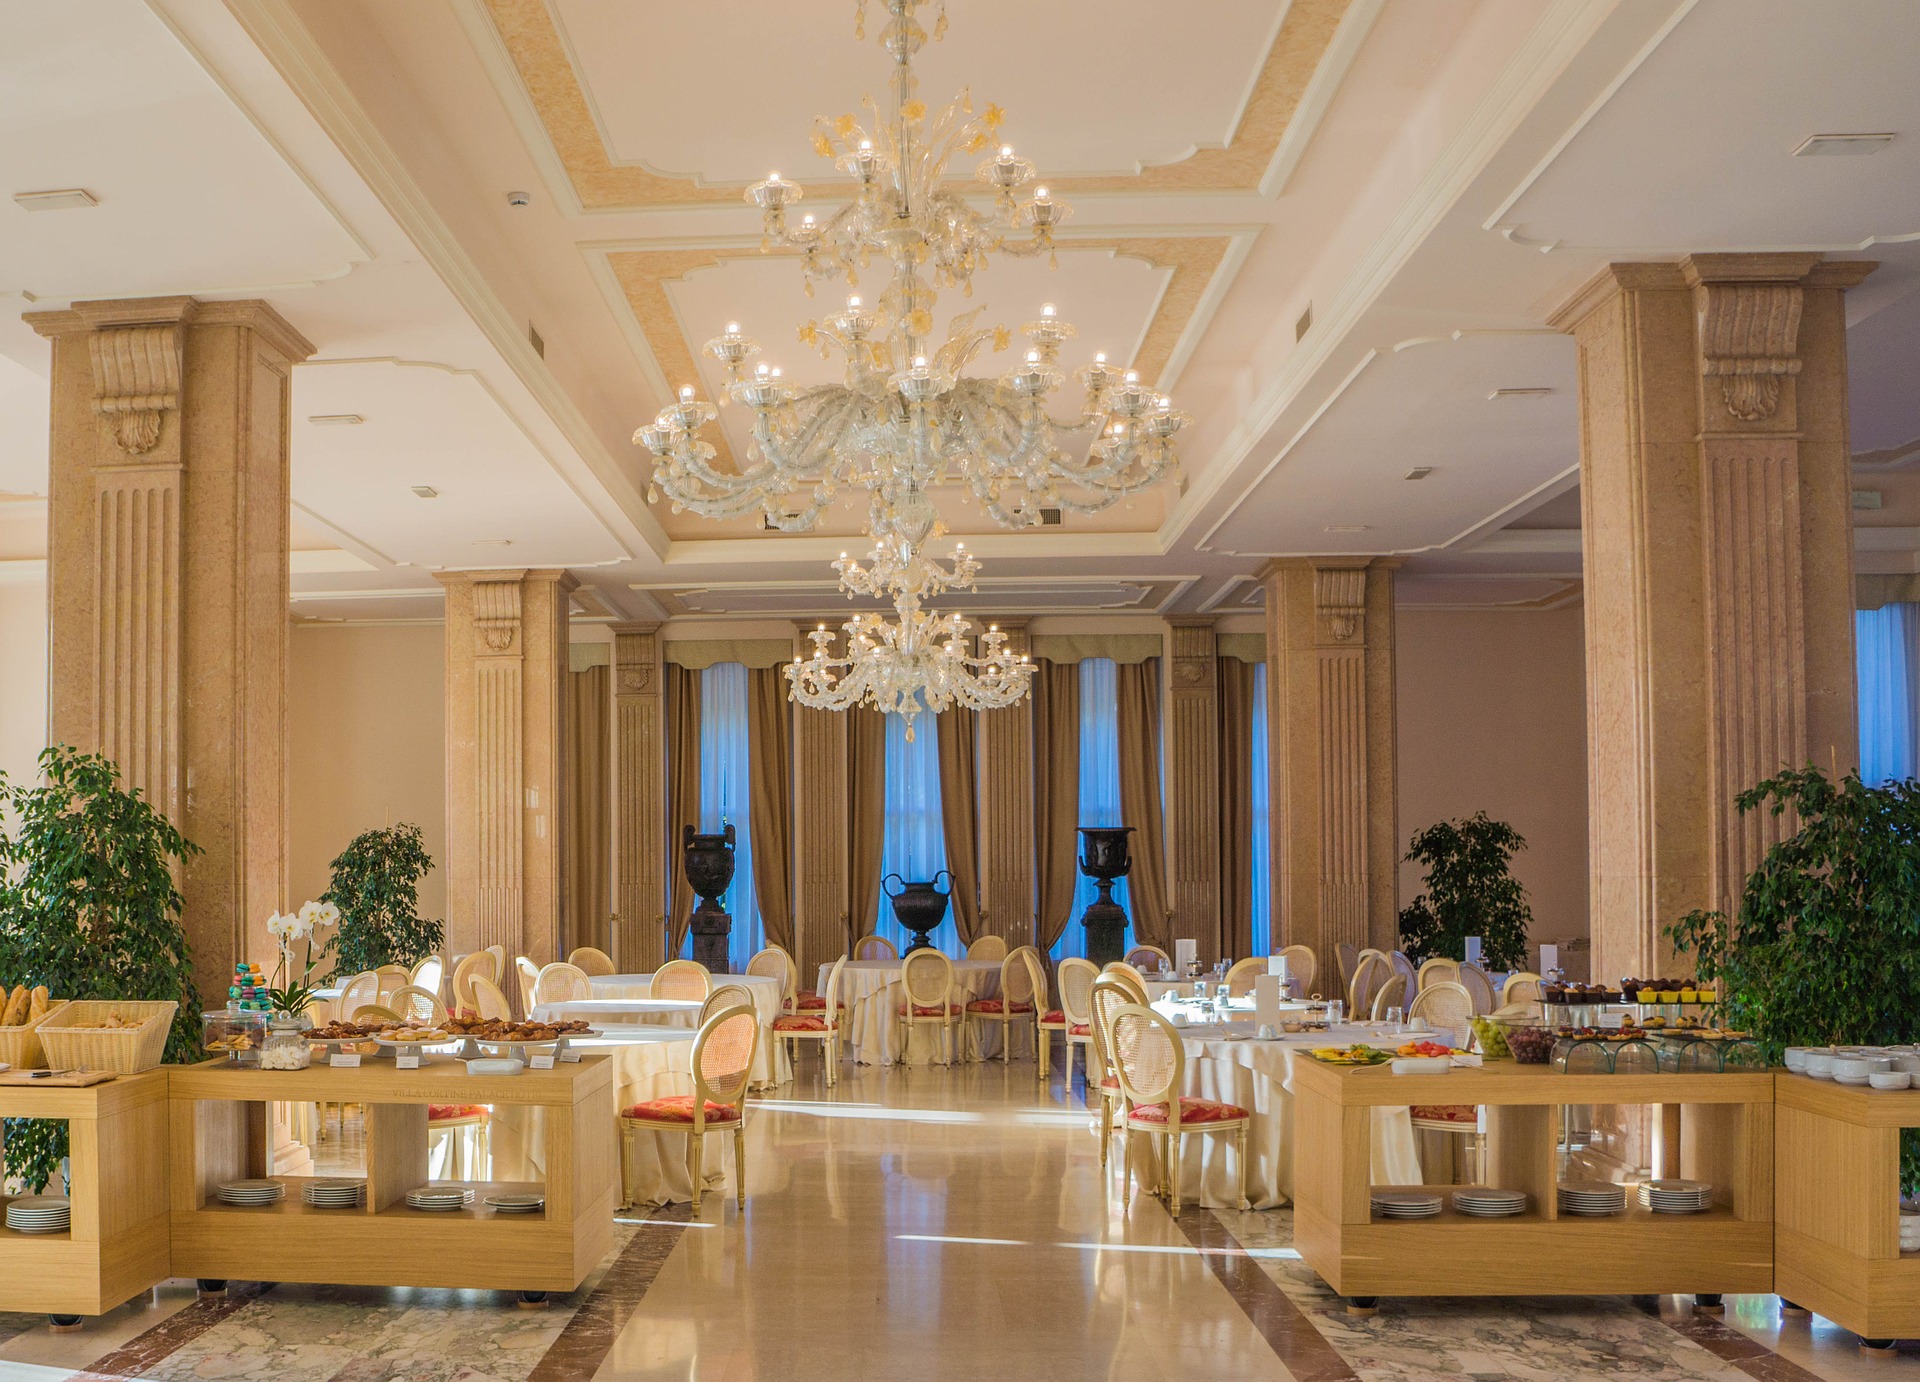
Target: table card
<point>344,1060</point>
<point>1185,952</point>
<point>406,1062</point>
<point>1610,1021</point>
<point>1266,1000</point>
<point>542,1062</point>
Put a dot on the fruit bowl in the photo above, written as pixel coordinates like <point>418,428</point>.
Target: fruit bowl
<point>1530,1045</point>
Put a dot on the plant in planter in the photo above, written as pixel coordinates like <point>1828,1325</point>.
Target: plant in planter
<point>1822,949</point>
<point>376,887</point>
<point>289,995</point>
<point>89,907</point>
<point>1470,892</point>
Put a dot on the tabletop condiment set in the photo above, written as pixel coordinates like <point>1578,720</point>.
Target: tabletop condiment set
<point>40,1214</point>
<point>439,1198</point>
<point>250,1192</point>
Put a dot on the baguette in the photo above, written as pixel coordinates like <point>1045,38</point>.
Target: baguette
<point>37,1005</point>
<point>16,1012</point>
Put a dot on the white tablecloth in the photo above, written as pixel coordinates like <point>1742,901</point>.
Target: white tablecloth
<point>1222,1064</point>
<point>648,1063</point>
<point>873,995</point>
<point>770,1063</point>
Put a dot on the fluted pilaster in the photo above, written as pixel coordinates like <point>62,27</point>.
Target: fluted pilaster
<point>1006,811</point>
<point>1193,786</point>
<point>640,846</point>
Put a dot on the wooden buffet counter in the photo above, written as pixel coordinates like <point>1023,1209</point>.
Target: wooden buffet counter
<point>116,1244</point>
<point>1727,1139</point>
<point>218,1112</point>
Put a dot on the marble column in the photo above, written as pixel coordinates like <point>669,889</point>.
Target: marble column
<point>167,584</point>
<point>506,710</point>
<point>1718,571</point>
<point>1006,811</point>
<point>1193,789</point>
<point>1332,747</point>
<point>640,852</point>
<point>820,839</point>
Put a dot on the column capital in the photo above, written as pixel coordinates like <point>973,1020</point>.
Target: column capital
<point>106,314</point>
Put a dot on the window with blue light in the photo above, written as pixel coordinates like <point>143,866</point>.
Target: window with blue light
<point>914,844</point>
<point>1887,666</point>
<point>1261,854</point>
<point>725,784</point>
<point>1099,791</point>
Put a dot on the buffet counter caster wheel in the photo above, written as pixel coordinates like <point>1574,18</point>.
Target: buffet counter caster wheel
<point>1882,1347</point>
<point>213,1286</point>
<point>1788,1310</point>
<point>533,1300</point>
<point>1708,1304</point>
<point>1363,1306</point>
<point>64,1324</point>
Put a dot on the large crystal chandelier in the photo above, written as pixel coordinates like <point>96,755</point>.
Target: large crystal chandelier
<point>905,416</point>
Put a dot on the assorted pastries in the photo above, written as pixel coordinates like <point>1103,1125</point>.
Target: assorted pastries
<point>494,1029</point>
<point>25,1005</point>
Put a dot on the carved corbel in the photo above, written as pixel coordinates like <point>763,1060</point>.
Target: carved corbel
<point>496,614</point>
<point>1749,333</point>
<point>1340,602</point>
<point>136,382</point>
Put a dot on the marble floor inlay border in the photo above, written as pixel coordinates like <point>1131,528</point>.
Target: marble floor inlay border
<point>1728,1344</point>
<point>139,1354</point>
<point>587,1338</point>
<point>1287,1330</point>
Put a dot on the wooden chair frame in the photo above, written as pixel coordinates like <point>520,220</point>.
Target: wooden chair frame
<point>951,1014</point>
<point>1136,1095</point>
<point>1014,975</point>
<point>829,1035</point>
<point>732,1093</point>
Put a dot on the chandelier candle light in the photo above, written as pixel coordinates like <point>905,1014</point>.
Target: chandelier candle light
<point>905,416</point>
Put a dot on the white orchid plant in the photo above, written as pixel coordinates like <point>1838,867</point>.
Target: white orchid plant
<point>288,995</point>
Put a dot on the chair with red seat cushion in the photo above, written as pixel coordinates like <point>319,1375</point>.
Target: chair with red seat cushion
<point>801,1022</point>
<point>926,977</point>
<point>721,1063</point>
<point>1012,1007</point>
<point>1075,1010</point>
<point>463,1130</point>
<point>1151,1063</point>
<point>815,1024</point>
<point>1109,995</point>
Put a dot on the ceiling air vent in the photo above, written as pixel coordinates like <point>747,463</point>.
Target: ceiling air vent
<point>1832,145</point>
<point>538,341</point>
<point>1052,518</point>
<point>1305,324</point>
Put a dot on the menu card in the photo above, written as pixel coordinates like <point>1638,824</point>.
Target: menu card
<point>1473,950</point>
<point>1185,952</point>
<point>1549,958</point>
<point>1280,969</point>
<point>1266,999</point>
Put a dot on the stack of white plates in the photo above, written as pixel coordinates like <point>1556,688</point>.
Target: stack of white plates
<point>1909,1231</point>
<point>39,1214</point>
<point>1592,1198</point>
<point>516,1204</point>
<point>1488,1202</point>
<point>1676,1196</point>
<point>336,1194</point>
<point>439,1197</point>
<point>1405,1204</point>
<point>250,1192</point>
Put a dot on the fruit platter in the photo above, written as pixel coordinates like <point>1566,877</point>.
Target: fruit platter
<point>1357,1054</point>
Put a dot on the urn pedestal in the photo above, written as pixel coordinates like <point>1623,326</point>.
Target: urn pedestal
<point>708,860</point>
<point>1105,858</point>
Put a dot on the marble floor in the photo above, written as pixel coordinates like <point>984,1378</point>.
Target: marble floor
<point>921,1224</point>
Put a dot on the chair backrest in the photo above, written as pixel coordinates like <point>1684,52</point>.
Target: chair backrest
<point>724,996</point>
<point>1349,958</point>
<point>427,974</point>
<point>1444,1004</point>
<point>1520,988</point>
<point>1240,978</point>
<point>528,973</point>
<point>1145,957</point>
<point>1130,977</point>
<point>1133,972</point>
<point>681,979</point>
<point>1303,966</point>
<point>417,1004</point>
<point>374,1012</point>
<point>1016,982</point>
<point>927,976</point>
<point>1038,970</point>
<point>1372,972</point>
<point>988,948</point>
<point>1474,979</point>
<point>1147,1056</point>
<point>392,977</point>
<point>773,963</point>
<point>362,988</point>
<point>561,982</point>
<point>471,967</point>
<point>1110,994</point>
<point>488,1001</point>
<point>831,993</point>
<point>1439,970</point>
<point>1404,968</point>
<point>1391,994</point>
<point>591,961</point>
<point>499,956</point>
<point>874,947</point>
<point>1076,988</point>
<point>722,1059</point>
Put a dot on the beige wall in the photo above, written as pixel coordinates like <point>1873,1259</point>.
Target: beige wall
<point>366,746</point>
<point>1492,712</point>
<point>23,678</point>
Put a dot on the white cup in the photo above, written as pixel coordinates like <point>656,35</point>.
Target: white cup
<point>1265,1032</point>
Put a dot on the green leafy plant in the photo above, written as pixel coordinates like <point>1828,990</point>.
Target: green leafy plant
<point>1469,893</point>
<point>90,907</point>
<point>1822,950</point>
<point>376,886</point>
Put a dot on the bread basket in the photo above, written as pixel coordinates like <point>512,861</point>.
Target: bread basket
<point>128,1050</point>
<point>20,1046</point>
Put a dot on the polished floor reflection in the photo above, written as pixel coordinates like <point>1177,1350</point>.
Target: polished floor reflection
<point>928,1223</point>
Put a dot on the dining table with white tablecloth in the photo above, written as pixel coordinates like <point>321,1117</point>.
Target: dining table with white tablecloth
<point>771,1065</point>
<point>649,1062</point>
<point>873,993</point>
<point>1228,1063</point>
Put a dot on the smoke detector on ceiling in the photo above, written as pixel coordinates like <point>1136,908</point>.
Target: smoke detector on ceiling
<point>1842,145</point>
<point>519,199</point>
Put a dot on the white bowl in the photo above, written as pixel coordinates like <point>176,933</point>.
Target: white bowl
<point>1907,1064</point>
<point>495,1065</point>
<point>1819,1064</point>
<point>1889,1079</point>
<point>1796,1059</point>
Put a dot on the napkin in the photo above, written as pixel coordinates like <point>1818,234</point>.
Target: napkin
<point>1266,999</point>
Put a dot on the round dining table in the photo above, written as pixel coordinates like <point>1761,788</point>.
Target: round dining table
<point>628,998</point>
<point>872,992</point>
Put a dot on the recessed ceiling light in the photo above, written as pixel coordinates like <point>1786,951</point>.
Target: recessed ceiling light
<point>63,199</point>
<point>1534,392</point>
<point>426,492</point>
<point>1347,527</point>
<point>1420,472</point>
<point>336,419</point>
<point>1842,145</point>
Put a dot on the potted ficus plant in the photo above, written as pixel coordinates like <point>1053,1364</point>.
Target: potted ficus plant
<point>1470,892</point>
<point>286,1046</point>
<point>1822,949</point>
<point>89,907</point>
<point>376,890</point>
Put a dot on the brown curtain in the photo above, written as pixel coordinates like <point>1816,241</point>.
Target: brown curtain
<point>960,816</point>
<point>1236,806</point>
<point>1056,795</point>
<point>1140,802</point>
<point>683,792</point>
<point>866,815</point>
<point>587,883</point>
<point>770,808</point>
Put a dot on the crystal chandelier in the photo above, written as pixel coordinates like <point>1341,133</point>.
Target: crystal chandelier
<point>905,415</point>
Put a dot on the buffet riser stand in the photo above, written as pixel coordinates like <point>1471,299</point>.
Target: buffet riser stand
<point>115,1246</point>
<point>218,1127</point>
<point>1725,1124</point>
<point>1837,1168</point>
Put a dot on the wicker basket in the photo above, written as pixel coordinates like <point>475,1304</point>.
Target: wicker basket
<point>20,1046</point>
<point>123,1050</point>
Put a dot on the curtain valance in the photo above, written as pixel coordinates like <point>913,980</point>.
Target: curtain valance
<point>1072,647</point>
<point>698,654</point>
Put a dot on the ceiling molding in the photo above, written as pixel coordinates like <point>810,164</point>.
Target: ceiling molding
<point>1569,591</point>
<point>1335,62</point>
<point>1029,544</point>
<point>1890,458</point>
<point>814,599</point>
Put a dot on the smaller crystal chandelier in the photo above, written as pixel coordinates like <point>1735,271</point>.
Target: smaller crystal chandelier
<point>920,663</point>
